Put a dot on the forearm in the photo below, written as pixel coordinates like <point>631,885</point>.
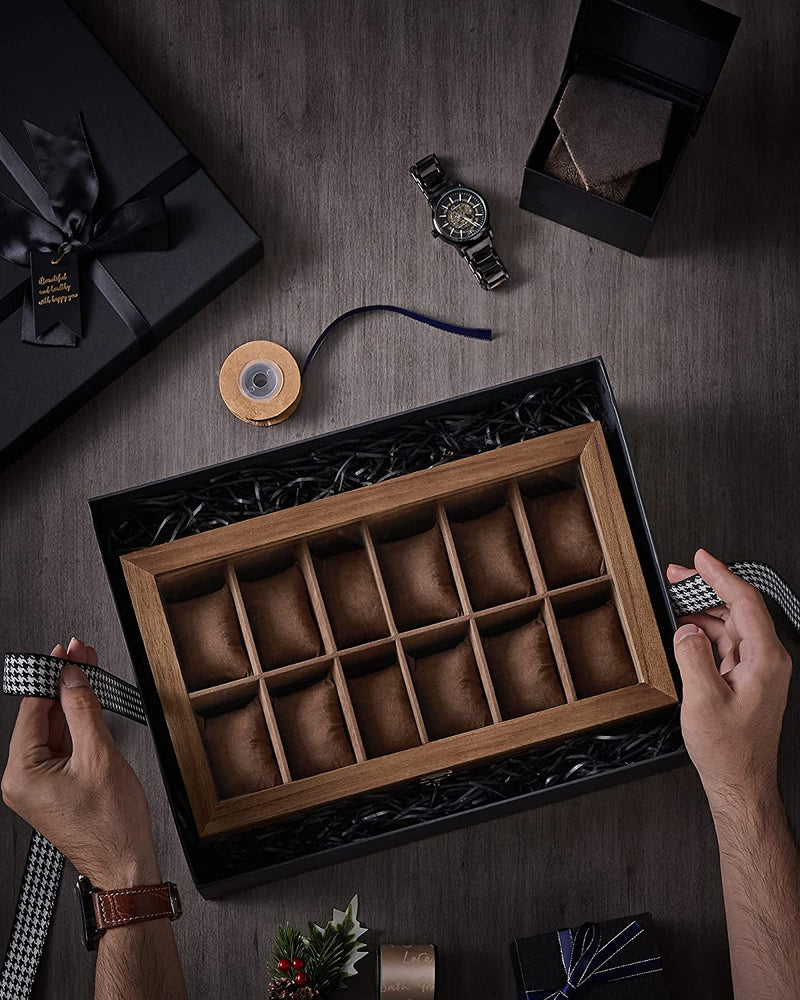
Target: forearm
<point>760,868</point>
<point>140,961</point>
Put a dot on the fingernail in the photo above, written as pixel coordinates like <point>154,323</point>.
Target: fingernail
<point>685,631</point>
<point>73,677</point>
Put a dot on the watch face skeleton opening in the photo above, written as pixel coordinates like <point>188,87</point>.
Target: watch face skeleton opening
<point>460,214</point>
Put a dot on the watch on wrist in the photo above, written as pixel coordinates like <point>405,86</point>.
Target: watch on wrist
<point>461,218</point>
<point>100,910</point>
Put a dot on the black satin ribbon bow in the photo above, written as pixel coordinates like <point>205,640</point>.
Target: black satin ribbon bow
<point>66,218</point>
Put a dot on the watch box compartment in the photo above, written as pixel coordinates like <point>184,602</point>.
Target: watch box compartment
<point>191,505</point>
<point>600,657</point>
<point>673,49</point>
<point>52,69</point>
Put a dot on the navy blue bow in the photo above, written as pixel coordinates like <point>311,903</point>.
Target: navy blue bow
<point>586,960</point>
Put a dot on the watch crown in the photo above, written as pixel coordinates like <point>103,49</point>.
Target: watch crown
<point>434,234</point>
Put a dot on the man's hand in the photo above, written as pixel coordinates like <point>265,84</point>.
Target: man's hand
<point>731,715</point>
<point>66,777</point>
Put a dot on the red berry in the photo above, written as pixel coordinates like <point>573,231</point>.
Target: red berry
<point>298,964</point>
<point>301,979</point>
<point>284,965</point>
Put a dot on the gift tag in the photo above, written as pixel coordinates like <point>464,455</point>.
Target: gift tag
<point>56,295</point>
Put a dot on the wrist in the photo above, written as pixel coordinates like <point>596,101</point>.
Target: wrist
<point>125,871</point>
<point>744,805</point>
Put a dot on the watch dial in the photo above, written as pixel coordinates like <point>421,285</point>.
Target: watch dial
<point>460,214</point>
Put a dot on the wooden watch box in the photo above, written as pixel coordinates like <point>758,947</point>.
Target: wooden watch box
<point>446,617</point>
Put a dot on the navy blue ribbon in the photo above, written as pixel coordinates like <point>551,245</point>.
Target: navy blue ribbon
<point>476,333</point>
<point>587,960</point>
<point>64,216</point>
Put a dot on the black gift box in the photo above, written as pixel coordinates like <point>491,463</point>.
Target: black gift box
<point>674,49</point>
<point>539,965</point>
<point>52,70</point>
<point>233,491</point>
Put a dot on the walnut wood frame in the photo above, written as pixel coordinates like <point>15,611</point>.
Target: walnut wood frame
<point>149,571</point>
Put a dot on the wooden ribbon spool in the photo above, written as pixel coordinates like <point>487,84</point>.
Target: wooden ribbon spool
<point>260,383</point>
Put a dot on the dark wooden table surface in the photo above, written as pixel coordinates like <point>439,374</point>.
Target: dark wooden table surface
<point>308,115</point>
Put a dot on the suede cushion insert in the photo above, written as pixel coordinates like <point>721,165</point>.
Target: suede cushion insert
<point>281,619</point>
<point>417,576</point>
<point>596,651</point>
<point>491,559</point>
<point>523,670</point>
<point>351,598</point>
<point>383,711</point>
<point>450,692</point>
<point>313,730</point>
<point>239,751</point>
<point>563,531</point>
<point>208,640</point>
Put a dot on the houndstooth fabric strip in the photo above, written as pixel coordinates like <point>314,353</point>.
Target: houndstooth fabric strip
<point>35,905</point>
<point>691,596</point>
<point>37,676</point>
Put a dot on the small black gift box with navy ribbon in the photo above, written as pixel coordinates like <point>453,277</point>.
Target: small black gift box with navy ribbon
<point>611,960</point>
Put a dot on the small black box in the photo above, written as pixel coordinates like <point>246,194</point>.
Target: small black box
<point>611,960</point>
<point>674,49</point>
<point>53,69</point>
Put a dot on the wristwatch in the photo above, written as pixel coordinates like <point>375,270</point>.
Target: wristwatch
<point>100,910</point>
<point>461,218</point>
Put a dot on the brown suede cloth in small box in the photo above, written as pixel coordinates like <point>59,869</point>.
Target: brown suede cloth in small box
<point>417,576</point>
<point>567,543</point>
<point>240,751</point>
<point>281,619</point>
<point>351,598</point>
<point>596,650</point>
<point>608,131</point>
<point>313,730</point>
<point>491,559</point>
<point>450,692</point>
<point>208,640</point>
<point>523,670</point>
<point>383,711</point>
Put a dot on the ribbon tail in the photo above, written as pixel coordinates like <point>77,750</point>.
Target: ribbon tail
<point>57,335</point>
<point>476,333</point>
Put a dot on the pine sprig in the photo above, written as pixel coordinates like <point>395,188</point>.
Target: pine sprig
<point>330,954</point>
<point>289,943</point>
<point>327,950</point>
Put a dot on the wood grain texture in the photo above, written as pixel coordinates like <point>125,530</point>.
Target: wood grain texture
<point>308,115</point>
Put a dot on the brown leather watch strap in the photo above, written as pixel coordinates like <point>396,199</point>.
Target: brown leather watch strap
<point>120,907</point>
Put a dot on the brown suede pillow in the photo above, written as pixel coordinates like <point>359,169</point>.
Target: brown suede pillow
<point>281,619</point>
<point>450,692</point>
<point>523,670</point>
<point>597,652</point>
<point>208,640</point>
<point>313,730</point>
<point>491,559</point>
<point>240,751</point>
<point>567,543</point>
<point>383,711</point>
<point>351,598</point>
<point>417,576</point>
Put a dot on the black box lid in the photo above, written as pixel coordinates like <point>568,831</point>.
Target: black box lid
<point>682,41</point>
